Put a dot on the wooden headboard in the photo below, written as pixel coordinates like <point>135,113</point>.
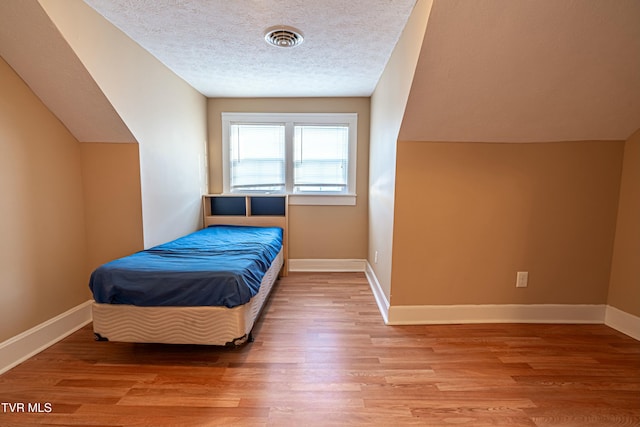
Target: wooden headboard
<point>256,210</point>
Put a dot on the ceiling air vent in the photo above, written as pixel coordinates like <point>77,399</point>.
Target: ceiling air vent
<point>281,36</point>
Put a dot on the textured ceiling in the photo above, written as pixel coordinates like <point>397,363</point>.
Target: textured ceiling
<point>218,46</point>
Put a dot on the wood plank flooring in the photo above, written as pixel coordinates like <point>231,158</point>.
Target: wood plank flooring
<point>323,357</point>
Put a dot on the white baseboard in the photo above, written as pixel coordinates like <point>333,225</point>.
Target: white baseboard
<point>327,265</point>
<point>17,349</point>
<point>496,313</point>
<point>622,321</point>
<point>487,313</point>
<point>378,293</point>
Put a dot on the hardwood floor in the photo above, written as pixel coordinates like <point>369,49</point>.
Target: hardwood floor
<point>322,356</point>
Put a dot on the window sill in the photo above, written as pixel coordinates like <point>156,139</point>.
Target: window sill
<point>308,199</point>
<point>322,200</point>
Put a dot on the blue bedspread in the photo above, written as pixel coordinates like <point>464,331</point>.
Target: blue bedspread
<point>215,266</point>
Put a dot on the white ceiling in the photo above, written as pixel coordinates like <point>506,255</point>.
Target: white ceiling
<point>218,46</point>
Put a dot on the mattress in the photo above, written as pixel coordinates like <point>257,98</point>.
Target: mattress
<point>221,265</point>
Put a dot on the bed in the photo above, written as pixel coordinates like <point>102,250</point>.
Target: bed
<point>208,287</point>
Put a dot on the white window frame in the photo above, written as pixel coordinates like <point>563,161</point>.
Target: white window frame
<point>290,120</point>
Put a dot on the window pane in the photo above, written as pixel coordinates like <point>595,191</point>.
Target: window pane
<point>257,157</point>
<point>320,158</point>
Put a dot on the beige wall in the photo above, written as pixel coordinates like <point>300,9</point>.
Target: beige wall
<point>316,232</point>
<point>42,248</point>
<point>112,202</point>
<point>470,215</point>
<point>166,116</point>
<point>624,288</point>
<point>387,110</point>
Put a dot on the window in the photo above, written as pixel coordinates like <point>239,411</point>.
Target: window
<point>321,158</point>
<point>309,156</point>
<point>256,157</point>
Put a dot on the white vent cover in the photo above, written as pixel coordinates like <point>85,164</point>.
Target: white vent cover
<point>282,36</point>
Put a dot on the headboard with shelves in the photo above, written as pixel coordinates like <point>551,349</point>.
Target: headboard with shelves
<point>256,210</point>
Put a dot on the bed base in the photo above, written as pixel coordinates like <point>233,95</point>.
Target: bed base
<point>184,325</point>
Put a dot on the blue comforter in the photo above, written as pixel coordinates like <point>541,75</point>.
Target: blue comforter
<point>215,266</point>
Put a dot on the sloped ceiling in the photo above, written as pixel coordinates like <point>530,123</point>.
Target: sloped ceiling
<point>527,71</point>
<point>34,48</point>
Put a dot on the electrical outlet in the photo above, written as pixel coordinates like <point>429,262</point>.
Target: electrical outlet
<point>522,279</point>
